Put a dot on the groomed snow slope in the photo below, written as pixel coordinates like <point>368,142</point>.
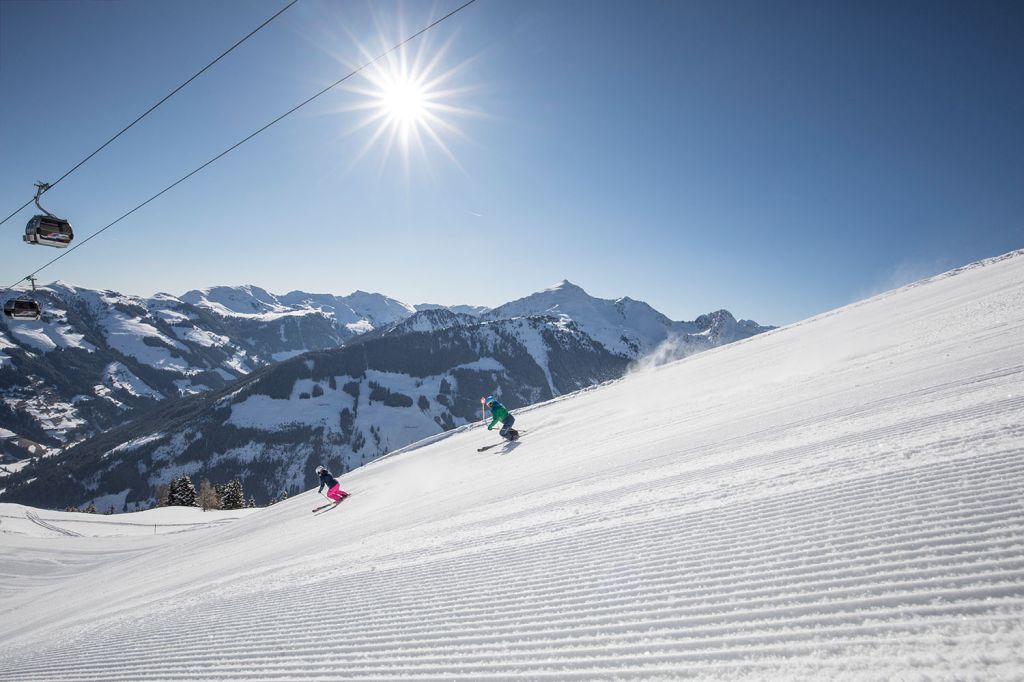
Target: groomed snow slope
<point>838,499</point>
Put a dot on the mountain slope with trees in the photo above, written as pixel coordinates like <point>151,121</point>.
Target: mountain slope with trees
<point>345,403</point>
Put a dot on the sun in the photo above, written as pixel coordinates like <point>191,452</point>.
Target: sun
<point>405,103</point>
<point>411,103</point>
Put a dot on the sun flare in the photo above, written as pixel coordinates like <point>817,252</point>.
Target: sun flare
<point>411,104</point>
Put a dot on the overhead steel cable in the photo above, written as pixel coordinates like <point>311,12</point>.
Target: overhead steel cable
<point>247,138</point>
<point>150,110</point>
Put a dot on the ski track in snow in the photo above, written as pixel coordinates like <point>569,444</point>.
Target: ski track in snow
<point>840,499</point>
<point>34,518</point>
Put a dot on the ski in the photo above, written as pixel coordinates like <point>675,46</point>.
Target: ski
<point>504,442</point>
<point>330,504</point>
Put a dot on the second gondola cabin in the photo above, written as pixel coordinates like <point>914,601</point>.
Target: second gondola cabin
<point>48,230</point>
<point>23,308</point>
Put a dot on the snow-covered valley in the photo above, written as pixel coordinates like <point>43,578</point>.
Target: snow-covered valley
<point>836,499</point>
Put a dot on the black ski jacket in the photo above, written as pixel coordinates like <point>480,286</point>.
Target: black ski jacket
<point>327,480</point>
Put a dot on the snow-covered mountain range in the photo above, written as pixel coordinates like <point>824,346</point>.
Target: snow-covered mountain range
<point>839,499</point>
<point>97,360</point>
<point>356,313</point>
<point>625,326</point>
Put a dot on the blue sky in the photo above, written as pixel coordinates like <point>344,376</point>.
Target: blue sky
<point>778,159</point>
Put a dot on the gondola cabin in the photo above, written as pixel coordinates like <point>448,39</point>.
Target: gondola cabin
<point>49,231</point>
<point>23,308</point>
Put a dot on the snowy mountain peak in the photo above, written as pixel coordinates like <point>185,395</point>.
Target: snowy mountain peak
<point>379,308</point>
<point>61,284</point>
<point>245,299</point>
<point>567,287</point>
<point>624,326</point>
<point>717,318</point>
<point>431,319</point>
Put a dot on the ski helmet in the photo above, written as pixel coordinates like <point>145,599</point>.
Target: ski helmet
<point>490,400</point>
<point>320,469</point>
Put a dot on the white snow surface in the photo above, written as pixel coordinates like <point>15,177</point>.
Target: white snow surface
<point>58,417</point>
<point>122,319</point>
<point>135,443</point>
<point>244,301</point>
<point>839,499</point>
<point>288,354</point>
<point>5,343</point>
<point>406,425</point>
<point>117,375</point>
<point>47,334</point>
<point>201,337</point>
<point>36,524</point>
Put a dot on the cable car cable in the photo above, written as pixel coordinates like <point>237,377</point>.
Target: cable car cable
<point>247,138</point>
<point>148,111</point>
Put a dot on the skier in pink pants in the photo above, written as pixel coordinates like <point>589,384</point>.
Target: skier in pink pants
<point>334,490</point>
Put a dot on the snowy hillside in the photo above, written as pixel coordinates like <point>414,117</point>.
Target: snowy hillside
<point>26,522</point>
<point>97,358</point>
<point>345,407</point>
<point>838,499</point>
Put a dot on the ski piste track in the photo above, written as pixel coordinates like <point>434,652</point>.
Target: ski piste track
<point>34,518</point>
<point>840,499</point>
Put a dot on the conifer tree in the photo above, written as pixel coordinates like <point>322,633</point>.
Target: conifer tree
<point>91,509</point>
<point>187,492</point>
<point>182,493</point>
<point>252,502</point>
<point>284,496</point>
<point>172,492</point>
<point>234,497</point>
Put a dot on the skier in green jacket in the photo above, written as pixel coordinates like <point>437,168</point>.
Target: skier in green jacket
<point>500,414</point>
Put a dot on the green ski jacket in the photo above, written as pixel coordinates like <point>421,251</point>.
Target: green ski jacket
<point>498,414</point>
